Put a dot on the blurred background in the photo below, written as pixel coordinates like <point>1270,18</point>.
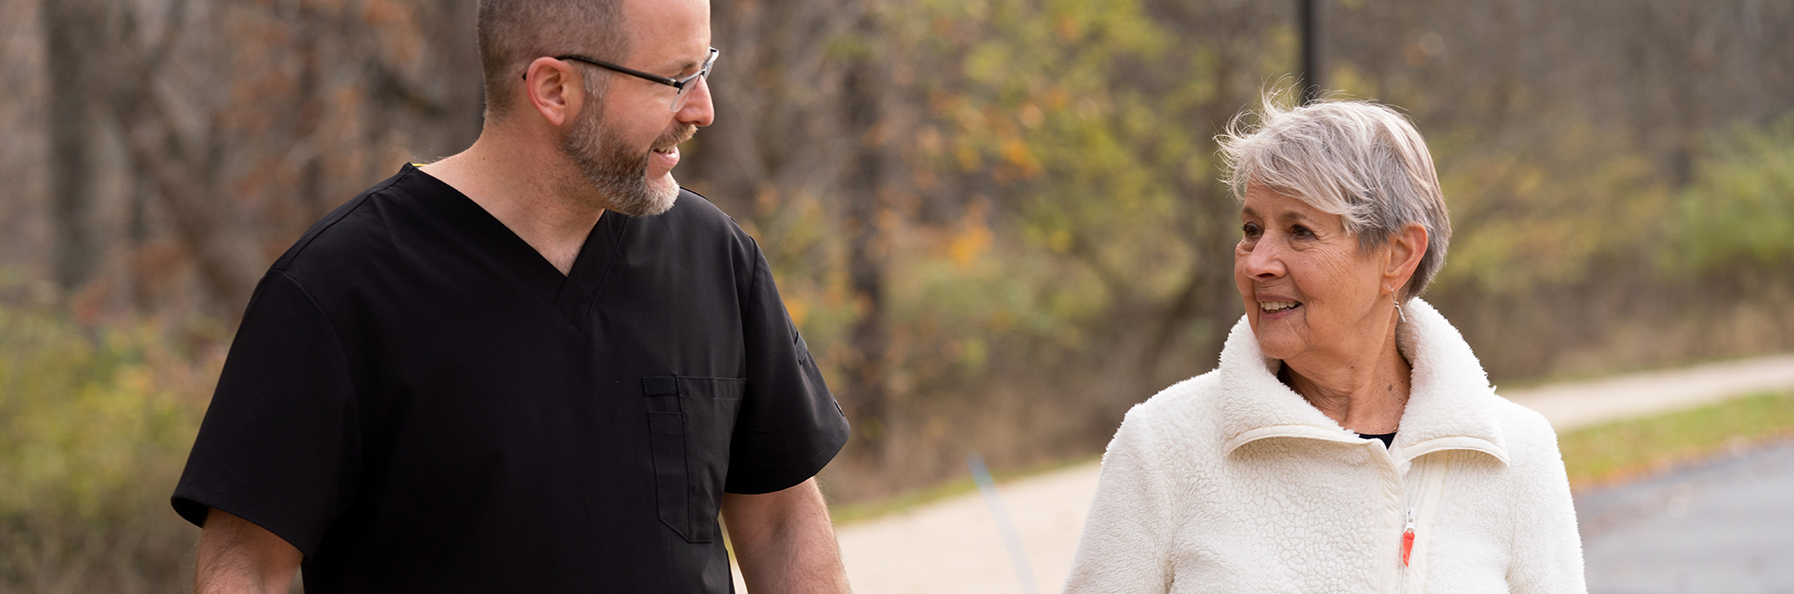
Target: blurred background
<point>997,222</point>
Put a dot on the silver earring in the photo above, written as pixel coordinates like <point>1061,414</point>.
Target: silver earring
<point>1398,310</point>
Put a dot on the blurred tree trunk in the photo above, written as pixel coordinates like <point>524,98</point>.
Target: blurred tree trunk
<point>313,201</point>
<point>182,170</point>
<point>235,150</point>
<point>434,102</point>
<point>452,33</point>
<point>1206,295</point>
<point>184,178</point>
<point>864,190</point>
<point>69,28</point>
<point>777,134</point>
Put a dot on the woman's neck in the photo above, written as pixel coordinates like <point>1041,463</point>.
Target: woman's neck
<point>1366,396</point>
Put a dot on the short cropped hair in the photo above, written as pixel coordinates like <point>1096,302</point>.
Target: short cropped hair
<point>1362,161</point>
<point>514,32</point>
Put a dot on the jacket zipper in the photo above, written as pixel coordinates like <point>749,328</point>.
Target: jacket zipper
<point>1416,489</point>
<point>1408,537</point>
<point>1429,479</point>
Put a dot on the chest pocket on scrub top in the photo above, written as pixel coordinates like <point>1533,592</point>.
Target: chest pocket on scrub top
<point>690,422</point>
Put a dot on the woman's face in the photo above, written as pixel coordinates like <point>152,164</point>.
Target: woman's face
<point>1309,292</point>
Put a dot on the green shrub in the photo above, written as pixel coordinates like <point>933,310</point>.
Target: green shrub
<point>1740,209</point>
<point>95,424</point>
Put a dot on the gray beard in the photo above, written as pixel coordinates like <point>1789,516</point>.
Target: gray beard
<point>618,173</point>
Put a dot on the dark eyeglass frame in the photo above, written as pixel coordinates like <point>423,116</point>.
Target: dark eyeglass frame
<point>680,84</point>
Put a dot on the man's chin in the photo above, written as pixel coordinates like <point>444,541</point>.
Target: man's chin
<point>649,199</point>
<point>662,202</point>
<point>662,193</point>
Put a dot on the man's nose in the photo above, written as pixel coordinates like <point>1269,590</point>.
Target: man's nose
<point>698,111</point>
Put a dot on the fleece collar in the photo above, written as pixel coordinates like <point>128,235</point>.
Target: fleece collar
<point>1450,402</point>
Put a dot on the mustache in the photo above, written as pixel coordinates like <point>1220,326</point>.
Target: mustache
<point>675,136</point>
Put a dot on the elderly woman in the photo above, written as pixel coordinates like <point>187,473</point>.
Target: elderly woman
<point>1349,440</point>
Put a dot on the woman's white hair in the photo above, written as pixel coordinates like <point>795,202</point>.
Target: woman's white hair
<point>1362,161</point>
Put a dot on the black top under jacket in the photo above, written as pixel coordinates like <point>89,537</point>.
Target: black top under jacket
<point>420,402</point>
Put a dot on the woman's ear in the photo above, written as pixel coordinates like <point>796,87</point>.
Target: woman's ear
<point>552,90</point>
<point>1406,248</point>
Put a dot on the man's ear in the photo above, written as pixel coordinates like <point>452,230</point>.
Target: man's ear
<point>553,90</point>
<point>1406,248</point>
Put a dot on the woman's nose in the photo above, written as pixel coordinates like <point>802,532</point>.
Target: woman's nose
<point>1263,260</point>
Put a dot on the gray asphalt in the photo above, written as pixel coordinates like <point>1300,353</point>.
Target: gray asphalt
<point>1724,525</point>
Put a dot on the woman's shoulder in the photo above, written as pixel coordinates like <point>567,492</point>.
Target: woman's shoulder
<point>1530,440</point>
<point>1169,434</point>
<point>1183,409</point>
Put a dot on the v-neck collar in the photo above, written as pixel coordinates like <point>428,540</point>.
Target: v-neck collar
<point>572,294</point>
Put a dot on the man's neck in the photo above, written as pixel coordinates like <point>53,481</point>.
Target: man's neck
<point>508,181</point>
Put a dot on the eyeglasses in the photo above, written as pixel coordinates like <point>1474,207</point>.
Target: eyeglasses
<point>682,85</point>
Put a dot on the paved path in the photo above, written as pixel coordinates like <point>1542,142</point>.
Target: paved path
<point>953,545</point>
<point>1723,526</point>
<point>1577,404</point>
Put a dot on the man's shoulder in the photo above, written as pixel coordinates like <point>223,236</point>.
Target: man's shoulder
<point>693,211</point>
<point>355,232</point>
<point>694,220</point>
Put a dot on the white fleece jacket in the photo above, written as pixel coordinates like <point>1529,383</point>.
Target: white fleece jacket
<point>1231,482</point>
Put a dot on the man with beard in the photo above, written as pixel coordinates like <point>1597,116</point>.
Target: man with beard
<point>535,366</point>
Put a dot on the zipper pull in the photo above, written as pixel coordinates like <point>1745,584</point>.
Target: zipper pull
<point>1408,538</point>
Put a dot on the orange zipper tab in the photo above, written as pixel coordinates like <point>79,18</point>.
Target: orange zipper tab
<point>1408,538</point>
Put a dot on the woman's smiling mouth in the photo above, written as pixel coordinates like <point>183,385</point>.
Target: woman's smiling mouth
<point>1276,306</point>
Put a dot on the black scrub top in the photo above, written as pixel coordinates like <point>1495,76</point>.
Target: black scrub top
<point>420,402</point>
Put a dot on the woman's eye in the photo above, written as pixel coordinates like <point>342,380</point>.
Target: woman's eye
<point>1302,232</point>
<point>1250,230</point>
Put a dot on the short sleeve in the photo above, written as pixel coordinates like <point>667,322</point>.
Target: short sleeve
<point>278,445</point>
<point>789,425</point>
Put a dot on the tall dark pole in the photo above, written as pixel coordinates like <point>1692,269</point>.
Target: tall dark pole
<point>1312,81</point>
